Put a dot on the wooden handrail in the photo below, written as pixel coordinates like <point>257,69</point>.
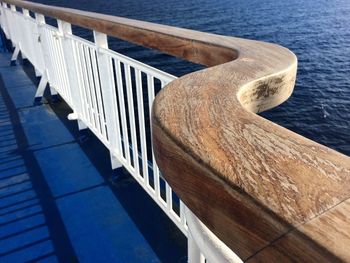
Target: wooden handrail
<point>267,192</point>
<point>187,44</point>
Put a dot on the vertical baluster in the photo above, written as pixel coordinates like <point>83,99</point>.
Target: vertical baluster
<point>81,81</point>
<point>150,86</point>
<point>122,110</point>
<point>169,196</point>
<point>132,117</point>
<point>91,87</point>
<point>168,191</point>
<point>63,62</point>
<point>62,66</point>
<point>109,98</point>
<point>182,215</point>
<point>29,41</point>
<point>54,72</point>
<point>83,111</point>
<point>48,36</point>
<point>37,49</point>
<point>84,82</point>
<point>98,74</point>
<point>141,115</point>
<point>55,38</point>
<point>73,74</point>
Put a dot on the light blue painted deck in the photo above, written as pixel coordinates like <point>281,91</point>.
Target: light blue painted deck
<point>56,201</point>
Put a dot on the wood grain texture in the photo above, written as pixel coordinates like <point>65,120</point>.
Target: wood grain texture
<point>326,238</point>
<point>250,181</point>
<point>183,43</point>
<point>268,193</point>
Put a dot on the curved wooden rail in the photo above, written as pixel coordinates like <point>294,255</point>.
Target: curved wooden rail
<point>268,193</point>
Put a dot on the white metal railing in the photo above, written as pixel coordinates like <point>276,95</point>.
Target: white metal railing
<point>99,85</point>
<point>203,245</point>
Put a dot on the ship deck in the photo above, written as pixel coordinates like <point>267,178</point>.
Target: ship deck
<point>57,199</point>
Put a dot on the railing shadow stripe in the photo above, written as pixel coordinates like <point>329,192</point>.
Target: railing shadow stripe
<point>6,186</point>
<point>22,232</point>
<point>21,218</point>
<point>15,193</point>
<point>11,176</point>
<point>57,230</point>
<point>19,209</point>
<point>45,256</point>
<point>24,247</point>
<point>17,203</point>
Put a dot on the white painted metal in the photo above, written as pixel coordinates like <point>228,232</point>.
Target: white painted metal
<point>43,56</point>
<point>3,20</point>
<point>100,86</point>
<point>194,253</point>
<point>204,244</point>
<point>41,88</point>
<point>106,89</point>
<point>69,54</point>
<point>15,54</point>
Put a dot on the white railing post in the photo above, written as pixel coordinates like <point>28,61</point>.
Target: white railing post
<point>4,20</point>
<point>13,24</point>
<point>34,54</point>
<point>70,58</point>
<point>109,100</point>
<point>14,36</point>
<point>202,243</point>
<point>25,15</point>
<point>40,20</point>
<point>194,253</point>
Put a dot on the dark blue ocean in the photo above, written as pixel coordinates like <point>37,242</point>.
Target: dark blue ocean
<point>318,32</point>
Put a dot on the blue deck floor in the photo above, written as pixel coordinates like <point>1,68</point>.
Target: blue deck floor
<point>57,203</point>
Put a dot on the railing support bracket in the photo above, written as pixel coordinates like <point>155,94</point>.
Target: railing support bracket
<point>54,95</point>
<point>40,91</point>
<point>37,73</point>
<point>15,56</point>
<point>115,163</point>
<point>84,134</point>
<point>116,169</point>
<point>116,175</point>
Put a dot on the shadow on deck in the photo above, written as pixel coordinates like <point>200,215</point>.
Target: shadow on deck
<point>56,200</point>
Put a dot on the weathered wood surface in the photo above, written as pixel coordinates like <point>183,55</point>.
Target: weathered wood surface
<point>187,44</point>
<point>268,193</point>
<point>264,190</point>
